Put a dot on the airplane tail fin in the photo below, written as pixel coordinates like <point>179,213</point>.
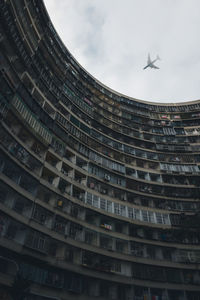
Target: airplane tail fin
<point>158,57</point>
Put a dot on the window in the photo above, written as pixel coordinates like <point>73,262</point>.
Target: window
<point>151,217</point>
<point>130,213</point>
<point>27,115</point>
<point>36,241</point>
<point>126,211</point>
<point>137,214</point>
<point>116,267</point>
<point>106,242</point>
<point>117,209</point>
<point>90,237</point>
<point>159,218</point>
<point>89,198</point>
<point>144,216</point>
<point>103,204</point>
<point>123,210</point>
<point>95,201</point>
<point>109,206</point>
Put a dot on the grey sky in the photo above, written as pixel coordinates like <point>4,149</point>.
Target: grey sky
<point>111,40</point>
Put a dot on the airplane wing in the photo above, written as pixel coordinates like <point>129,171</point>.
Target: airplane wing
<point>149,59</point>
<point>153,66</point>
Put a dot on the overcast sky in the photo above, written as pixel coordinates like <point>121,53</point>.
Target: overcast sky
<point>111,40</point>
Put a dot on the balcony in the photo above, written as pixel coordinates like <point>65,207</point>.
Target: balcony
<point>31,120</point>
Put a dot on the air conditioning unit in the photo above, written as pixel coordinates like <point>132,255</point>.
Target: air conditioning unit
<point>107,177</point>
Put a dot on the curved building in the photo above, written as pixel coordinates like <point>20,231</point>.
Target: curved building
<point>99,193</point>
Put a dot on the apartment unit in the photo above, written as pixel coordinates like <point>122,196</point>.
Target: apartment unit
<point>99,192</point>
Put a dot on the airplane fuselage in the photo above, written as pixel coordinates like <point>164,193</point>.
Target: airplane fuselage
<point>151,64</point>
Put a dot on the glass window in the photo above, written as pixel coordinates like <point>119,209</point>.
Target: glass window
<point>117,209</point>
<point>159,218</point>
<point>95,201</point>
<point>103,204</point>
<point>130,213</point>
<point>144,216</point>
<point>137,214</point>
<point>89,198</point>
<point>109,206</point>
<point>151,217</point>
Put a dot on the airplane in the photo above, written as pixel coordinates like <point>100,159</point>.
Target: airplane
<point>150,63</point>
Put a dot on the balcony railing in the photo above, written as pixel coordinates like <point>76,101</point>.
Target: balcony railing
<point>31,120</point>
